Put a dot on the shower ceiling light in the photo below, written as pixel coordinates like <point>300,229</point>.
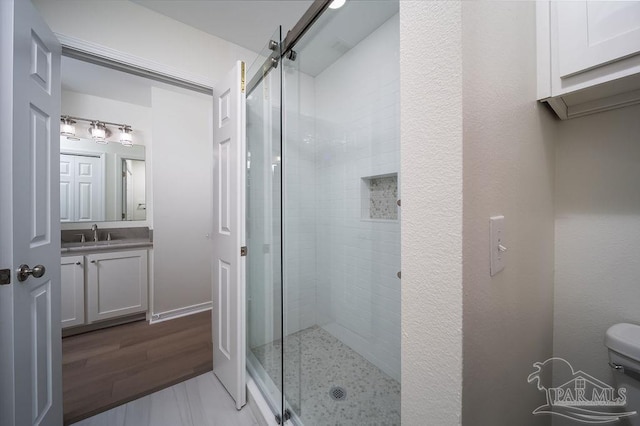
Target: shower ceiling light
<point>98,132</point>
<point>125,136</point>
<point>337,4</point>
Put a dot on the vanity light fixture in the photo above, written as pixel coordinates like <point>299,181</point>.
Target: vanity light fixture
<point>337,4</point>
<point>125,136</point>
<point>99,130</point>
<point>67,127</point>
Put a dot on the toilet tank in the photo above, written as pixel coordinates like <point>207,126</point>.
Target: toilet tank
<point>623,341</point>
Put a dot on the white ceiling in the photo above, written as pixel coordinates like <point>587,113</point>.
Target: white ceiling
<point>241,22</point>
<point>251,23</point>
<point>248,23</point>
<point>337,31</point>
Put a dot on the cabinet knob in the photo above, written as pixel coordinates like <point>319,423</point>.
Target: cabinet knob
<point>93,261</point>
<point>78,263</point>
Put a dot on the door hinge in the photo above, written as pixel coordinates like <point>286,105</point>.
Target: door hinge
<point>243,251</point>
<point>5,276</point>
<point>242,77</point>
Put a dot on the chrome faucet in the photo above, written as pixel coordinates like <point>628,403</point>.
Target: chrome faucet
<point>94,228</point>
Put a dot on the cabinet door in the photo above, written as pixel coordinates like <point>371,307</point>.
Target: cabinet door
<point>116,284</point>
<point>72,289</point>
<point>595,33</point>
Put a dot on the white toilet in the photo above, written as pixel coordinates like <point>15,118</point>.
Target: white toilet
<point>623,341</point>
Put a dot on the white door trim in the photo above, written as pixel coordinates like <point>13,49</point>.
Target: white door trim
<point>112,58</point>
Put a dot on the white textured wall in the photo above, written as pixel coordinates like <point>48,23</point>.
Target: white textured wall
<point>182,195</point>
<point>357,136</point>
<point>597,235</point>
<point>130,28</point>
<point>431,165</point>
<point>508,170</point>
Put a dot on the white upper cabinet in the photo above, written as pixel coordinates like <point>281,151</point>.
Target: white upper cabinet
<point>588,55</point>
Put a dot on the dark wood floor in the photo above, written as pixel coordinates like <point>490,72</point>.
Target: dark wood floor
<point>105,368</point>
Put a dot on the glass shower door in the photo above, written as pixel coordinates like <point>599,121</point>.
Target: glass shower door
<point>263,227</point>
<point>341,239</point>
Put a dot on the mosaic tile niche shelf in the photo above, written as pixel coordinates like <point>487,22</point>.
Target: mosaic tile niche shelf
<point>379,197</point>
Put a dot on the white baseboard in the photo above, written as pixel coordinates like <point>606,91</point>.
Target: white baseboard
<point>180,312</point>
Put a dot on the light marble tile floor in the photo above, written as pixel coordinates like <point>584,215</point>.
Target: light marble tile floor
<point>201,401</point>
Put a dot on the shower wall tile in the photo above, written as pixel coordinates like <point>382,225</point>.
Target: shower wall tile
<point>300,206</point>
<point>356,136</point>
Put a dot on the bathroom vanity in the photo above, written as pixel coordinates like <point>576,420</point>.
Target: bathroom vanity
<point>104,282</point>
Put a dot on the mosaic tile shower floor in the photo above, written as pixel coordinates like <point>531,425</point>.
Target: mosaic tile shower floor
<point>316,361</point>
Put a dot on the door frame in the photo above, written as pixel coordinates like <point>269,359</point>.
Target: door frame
<point>94,53</point>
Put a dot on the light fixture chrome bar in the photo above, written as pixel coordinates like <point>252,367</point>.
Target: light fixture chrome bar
<point>92,58</point>
<point>98,130</point>
<point>317,8</point>
<point>91,120</point>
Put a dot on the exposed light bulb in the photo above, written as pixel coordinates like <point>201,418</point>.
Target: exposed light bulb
<point>337,4</point>
<point>125,136</point>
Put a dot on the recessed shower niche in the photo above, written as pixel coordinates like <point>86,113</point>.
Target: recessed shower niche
<point>379,197</point>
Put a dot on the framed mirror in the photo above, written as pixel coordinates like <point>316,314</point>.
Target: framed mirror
<point>101,182</point>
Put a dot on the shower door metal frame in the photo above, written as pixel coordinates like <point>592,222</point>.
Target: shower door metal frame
<point>317,8</point>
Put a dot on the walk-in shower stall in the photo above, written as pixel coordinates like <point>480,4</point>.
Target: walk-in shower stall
<point>323,217</point>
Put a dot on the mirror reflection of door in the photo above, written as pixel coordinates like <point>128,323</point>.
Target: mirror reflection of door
<point>81,188</point>
<point>134,205</point>
<point>102,201</point>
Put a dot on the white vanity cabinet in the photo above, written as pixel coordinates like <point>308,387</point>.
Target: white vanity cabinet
<point>72,289</point>
<point>116,284</point>
<point>588,55</point>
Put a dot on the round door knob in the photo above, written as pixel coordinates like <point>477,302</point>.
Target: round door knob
<point>24,271</point>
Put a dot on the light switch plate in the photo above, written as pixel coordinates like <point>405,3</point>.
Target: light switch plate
<point>498,256</point>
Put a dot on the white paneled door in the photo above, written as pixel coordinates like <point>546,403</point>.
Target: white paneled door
<point>30,357</point>
<point>81,189</point>
<point>228,317</point>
